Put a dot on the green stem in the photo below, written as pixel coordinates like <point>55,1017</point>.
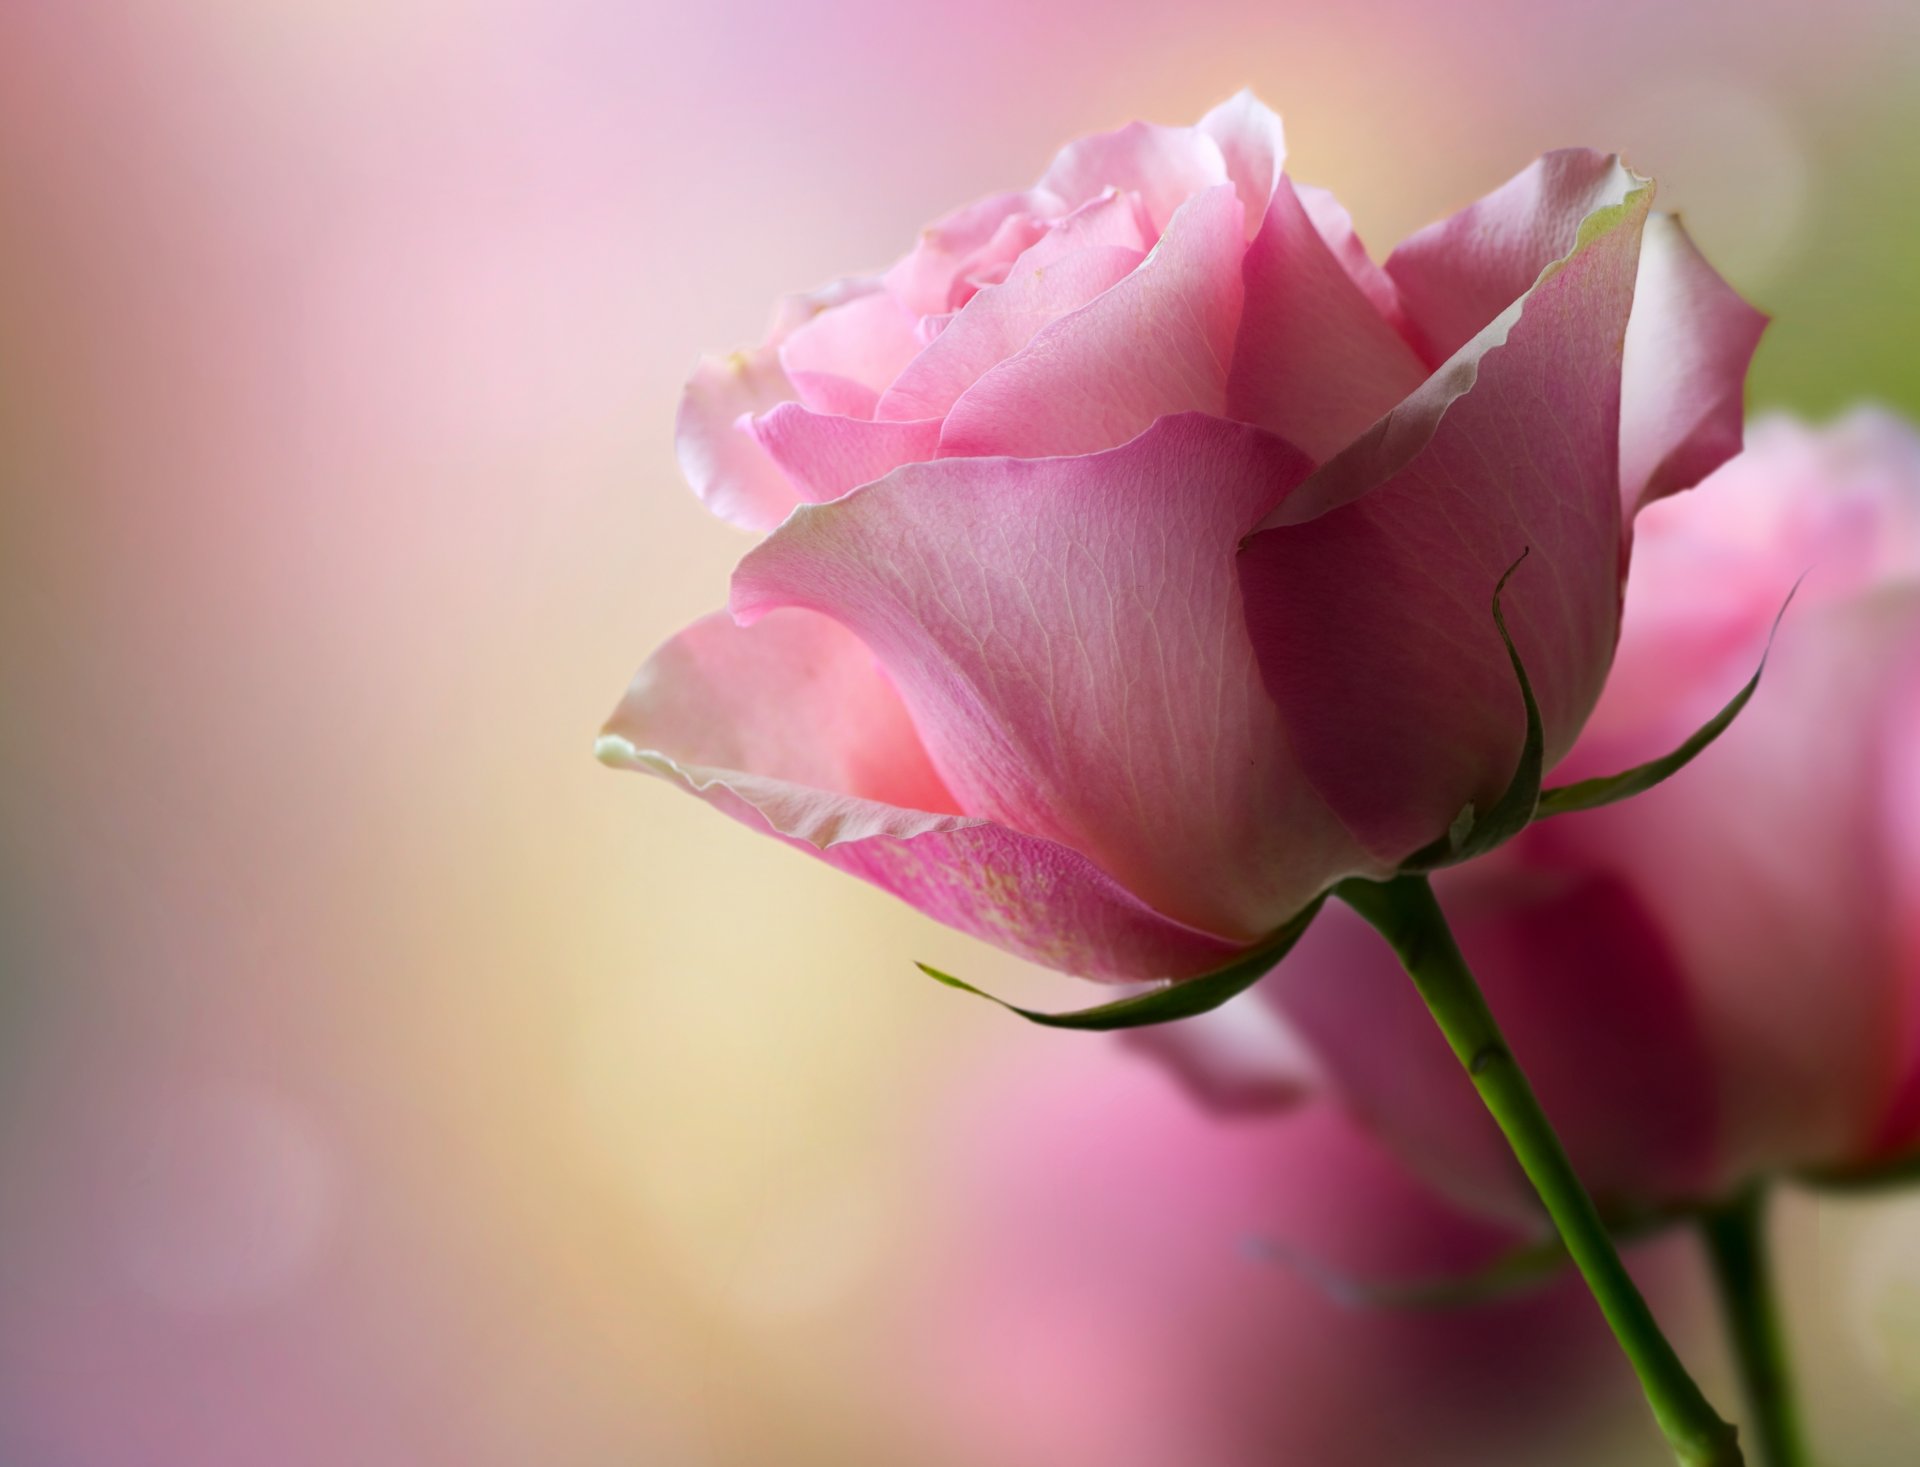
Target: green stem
<point>1737,1245</point>
<point>1404,912</point>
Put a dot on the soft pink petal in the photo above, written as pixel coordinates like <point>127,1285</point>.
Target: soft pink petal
<point>1767,862</point>
<point>1335,224</point>
<point>1777,857</point>
<point>791,728</point>
<point>1082,255</point>
<point>791,312</point>
<point>1017,234</point>
<point>1455,276</point>
<point>1368,592</point>
<point>731,473</point>
<point>1254,145</point>
<point>1315,361</point>
<point>1069,635</point>
<point>1036,899</point>
<point>1834,509</point>
<point>1113,219</point>
<point>795,712</point>
<point>825,456</point>
<point>844,358</point>
<point>1157,343</point>
<point>1682,396</point>
<point>1165,166</point>
<point>1897,1132</point>
<point>834,395</point>
<point>923,280</point>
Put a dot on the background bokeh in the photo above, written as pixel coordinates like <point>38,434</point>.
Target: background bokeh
<point>381,1080</point>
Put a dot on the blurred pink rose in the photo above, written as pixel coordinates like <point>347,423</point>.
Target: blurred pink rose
<point>1004,654</point>
<point>1720,977</point>
<point>1105,1298</point>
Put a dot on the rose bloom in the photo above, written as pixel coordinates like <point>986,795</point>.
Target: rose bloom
<point>1124,1281</point>
<point>1004,651</point>
<point>1719,978</point>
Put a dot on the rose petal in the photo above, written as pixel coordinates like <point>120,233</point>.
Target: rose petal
<point>825,456</point>
<point>1315,361</point>
<point>1254,145</point>
<point>791,728</point>
<point>1157,343</point>
<point>1775,859</point>
<point>923,280</point>
<point>1834,509</point>
<point>791,312</point>
<point>1069,636</point>
<point>1165,166</point>
<point>1456,276</point>
<point>731,473</point>
<point>1368,592</point>
<point>1682,395</point>
<point>1768,881</point>
<point>1082,255</point>
<point>843,359</point>
<point>1898,1130</point>
<point>1335,224</point>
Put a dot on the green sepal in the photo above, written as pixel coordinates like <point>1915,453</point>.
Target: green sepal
<point>1589,794</point>
<point>1182,999</point>
<point>1471,834</point>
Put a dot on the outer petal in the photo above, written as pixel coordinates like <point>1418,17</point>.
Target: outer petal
<point>1897,1132</point>
<point>731,473</point>
<point>1682,399</point>
<point>1335,224</point>
<point>1785,861</point>
<point>844,358</point>
<point>1785,892</point>
<point>1315,361</point>
<point>1839,506</point>
<point>1095,248</point>
<point>824,456</point>
<point>1456,276</point>
<point>1157,343</point>
<point>1767,863</point>
<point>1165,166</point>
<point>791,728</point>
<point>1372,619</point>
<point>1069,636</point>
<point>1254,146</point>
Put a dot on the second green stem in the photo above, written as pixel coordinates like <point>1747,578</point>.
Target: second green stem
<point>1404,911</point>
<point>1736,1244</point>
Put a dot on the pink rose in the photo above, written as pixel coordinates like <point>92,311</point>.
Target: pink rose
<point>1003,652</point>
<point>1716,979</point>
<point>1125,1282</point>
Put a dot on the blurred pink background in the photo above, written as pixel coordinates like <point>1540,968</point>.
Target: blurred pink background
<point>381,1080</point>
